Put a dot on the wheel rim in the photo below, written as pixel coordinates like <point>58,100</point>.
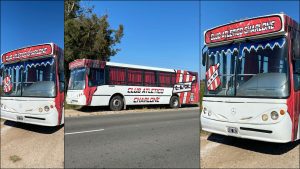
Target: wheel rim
<point>175,103</point>
<point>116,103</point>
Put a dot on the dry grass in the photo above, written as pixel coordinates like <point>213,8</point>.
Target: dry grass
<point>15,158</point>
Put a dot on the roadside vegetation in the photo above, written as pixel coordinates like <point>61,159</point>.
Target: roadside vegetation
<point>15,158</point>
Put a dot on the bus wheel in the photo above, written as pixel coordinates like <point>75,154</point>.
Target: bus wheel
<point>116,103</point>
<point>174,102</point>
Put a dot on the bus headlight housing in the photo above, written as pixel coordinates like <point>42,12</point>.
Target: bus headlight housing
<point>264,117</point>
<point>46,108</point>
<point>274,115</point>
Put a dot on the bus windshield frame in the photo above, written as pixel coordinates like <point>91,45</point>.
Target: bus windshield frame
<point>249,72</point>
<point>77,75</point>
<point>32,77</point>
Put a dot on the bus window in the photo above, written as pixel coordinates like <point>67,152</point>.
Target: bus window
<point>117,76</point>
<point>39,78</point>
<point>77,79</point>
<point>14,72</point>
<point>297,75</point>
<point>149,78</point>
<point>134,77</point>
<point>96,77</point>
<point>164,79</point>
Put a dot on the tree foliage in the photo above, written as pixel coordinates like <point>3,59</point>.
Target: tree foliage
<point>87,35</point>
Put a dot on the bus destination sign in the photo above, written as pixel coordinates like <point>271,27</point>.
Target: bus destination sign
<point>243,29</point>
<point>27,53</point>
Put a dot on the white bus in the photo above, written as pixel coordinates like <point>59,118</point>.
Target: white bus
<point>253,79</point>
<point>97,83</point>
<point>33,85</point>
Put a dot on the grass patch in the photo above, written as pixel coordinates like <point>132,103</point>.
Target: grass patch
<point>15,158</point>
<point>202,84</point>
<point>204,133</point>
<point>68,106</point>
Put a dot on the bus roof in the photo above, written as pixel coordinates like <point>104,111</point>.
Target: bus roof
<point>258,27</point>
<point>101,64</point>
<point>29,52</point>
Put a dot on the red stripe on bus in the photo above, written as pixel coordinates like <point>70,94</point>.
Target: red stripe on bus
<point>189,93</point>
<point>182,93</point>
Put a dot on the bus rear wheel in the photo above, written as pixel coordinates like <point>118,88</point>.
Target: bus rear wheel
<point>174,102</point>
<point>116,103</point>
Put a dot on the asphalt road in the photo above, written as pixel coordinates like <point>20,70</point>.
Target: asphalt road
<point>156,139</point>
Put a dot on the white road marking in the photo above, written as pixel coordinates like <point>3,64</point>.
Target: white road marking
<point>88,131</point>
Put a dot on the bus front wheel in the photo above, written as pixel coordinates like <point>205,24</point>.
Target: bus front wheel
<point>174,102</point>
<point>116,103</point>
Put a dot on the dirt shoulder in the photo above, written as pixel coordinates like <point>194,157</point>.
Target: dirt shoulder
<point>218,151</point>
<point>29,146</point>
<point>96,111</point>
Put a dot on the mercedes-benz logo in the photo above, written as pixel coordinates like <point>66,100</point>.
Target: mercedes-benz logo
<point>233,111</point>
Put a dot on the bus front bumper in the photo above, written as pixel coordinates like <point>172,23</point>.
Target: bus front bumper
<point>280,132</point>
<point>42,120</point>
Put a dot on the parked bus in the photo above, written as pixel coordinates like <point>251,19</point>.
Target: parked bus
<point>253,79</point>
<point>98,83</point>
<point>33,85</point>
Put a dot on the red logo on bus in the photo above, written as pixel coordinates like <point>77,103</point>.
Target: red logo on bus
<point>212,76</point>
<point>7,84</point>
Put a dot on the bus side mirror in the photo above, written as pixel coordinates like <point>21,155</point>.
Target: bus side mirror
<point>296,48</point>
<point>204,57</point>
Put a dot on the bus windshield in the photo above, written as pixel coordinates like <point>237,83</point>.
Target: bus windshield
<point>77,79</point>
<point>248,69</point>
<point>32,78</point>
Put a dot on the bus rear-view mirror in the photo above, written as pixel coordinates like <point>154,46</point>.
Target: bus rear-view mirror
<point>204,55</point>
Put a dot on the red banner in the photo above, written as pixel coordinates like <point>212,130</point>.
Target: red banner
<point>247,28</point>
<point>26,53</point>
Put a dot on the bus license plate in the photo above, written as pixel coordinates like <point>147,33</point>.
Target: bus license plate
<point>232,130</point>
<point>20,118</point>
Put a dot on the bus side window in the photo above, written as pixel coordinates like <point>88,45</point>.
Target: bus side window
<point>296,56</point>
<point>117,76</point>
<point>134,77</point>
<point>149,78</point>
<point>297,75</point>
<point>61,72</point>
<point>164,79</point>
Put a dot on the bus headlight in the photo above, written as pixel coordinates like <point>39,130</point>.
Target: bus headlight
<point>264,117</point>
<point>40,109</point>
<point>274,115</point>
<point>46,108</point>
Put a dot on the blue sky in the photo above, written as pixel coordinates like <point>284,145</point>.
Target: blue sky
<point>216,13</point>
<point>160,34</point>
<point>25,23</point>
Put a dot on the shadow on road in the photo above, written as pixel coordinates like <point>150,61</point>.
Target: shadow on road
<point>33,128</point>
<point>88,109</point>
<point>252,145</point>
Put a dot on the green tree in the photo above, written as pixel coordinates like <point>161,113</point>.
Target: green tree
<point>88,35</point>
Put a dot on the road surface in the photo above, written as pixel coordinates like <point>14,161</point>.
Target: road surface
<point>228,152</point>
<point>154,139</point>
<point>31,146</point>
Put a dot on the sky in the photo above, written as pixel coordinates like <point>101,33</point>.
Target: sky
<point>160,34</point>
<point>216,13</point>
<point>25,23</point>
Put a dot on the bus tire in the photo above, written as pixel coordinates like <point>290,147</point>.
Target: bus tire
<point>116,103</point>
<point>174,102</point>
